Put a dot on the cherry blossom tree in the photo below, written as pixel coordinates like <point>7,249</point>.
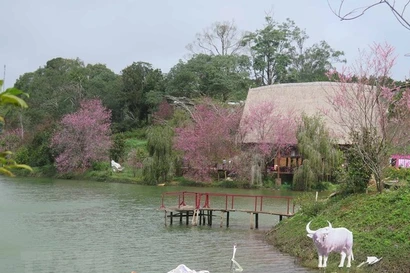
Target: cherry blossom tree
<point>371,109</point>
<point>271,132</point>
<point>83,137</point>
<point>270,129</point>
<point>210,137</point>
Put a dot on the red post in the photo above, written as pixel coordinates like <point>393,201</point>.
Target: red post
<point>206,205</point>
<point>183,198</point>
<point>162,202</point>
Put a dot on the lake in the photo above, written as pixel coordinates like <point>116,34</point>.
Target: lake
<point>82,226</point>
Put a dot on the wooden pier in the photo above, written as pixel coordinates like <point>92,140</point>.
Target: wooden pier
<point>196,208</point>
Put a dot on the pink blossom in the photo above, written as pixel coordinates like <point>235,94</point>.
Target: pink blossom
<point>209,138</point>
<point>83,137</point>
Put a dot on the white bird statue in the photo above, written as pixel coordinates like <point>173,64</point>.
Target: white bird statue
<point>235,267</point>
<point>370,261</point>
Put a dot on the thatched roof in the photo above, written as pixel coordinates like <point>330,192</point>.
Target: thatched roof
<point>309,98</point>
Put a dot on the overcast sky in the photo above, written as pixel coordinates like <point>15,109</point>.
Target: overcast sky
<point>119,32</point>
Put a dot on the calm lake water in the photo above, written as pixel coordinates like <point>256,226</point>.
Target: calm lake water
<point>82,226</point>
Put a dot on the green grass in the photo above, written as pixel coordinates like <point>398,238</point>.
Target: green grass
<point>379,222</point>
<point>134,143</point>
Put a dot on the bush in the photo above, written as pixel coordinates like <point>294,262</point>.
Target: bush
<point>98,175</point>
<point>118,147</point>
<point>402,174</point>
<point>101,166</point>
<point>325,186</point>
<point>308,206</point>
<point>354,178</point>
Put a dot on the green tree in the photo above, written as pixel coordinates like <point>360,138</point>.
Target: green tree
<point>320,154</point>
<point>220,77</point>
<point>54,89</point>
<point>158,166</point>
<point>103,83</point>
<point>118,147</point>
<point>355,176</point>
<point>279,54</point>
<point>143,89</point>
<point>57,88</point>
<point>312,63</point>
<point>271,50</point>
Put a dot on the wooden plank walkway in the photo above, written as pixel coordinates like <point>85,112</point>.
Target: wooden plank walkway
<point>197,207</point>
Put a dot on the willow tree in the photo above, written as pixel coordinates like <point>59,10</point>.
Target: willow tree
<point>158,166</point>
<point>319,152</point>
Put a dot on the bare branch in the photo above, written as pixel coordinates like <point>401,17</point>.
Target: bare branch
<point>221,38</point>
<point>358,12</point>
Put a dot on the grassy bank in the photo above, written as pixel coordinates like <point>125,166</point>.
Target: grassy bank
<point>380,224</point>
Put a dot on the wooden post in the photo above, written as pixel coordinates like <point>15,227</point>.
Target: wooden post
<point>195,216</point>
<point>171,216</point>
<point>187,217</point>
<point>256,220</point>
<point>280,217</point>
<point>227,219</point>
<point>278,164</point>
<point>180,217</point>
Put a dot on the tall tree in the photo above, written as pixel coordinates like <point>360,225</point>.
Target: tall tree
<point>371,109</point>
<point>101,82</point>
<point>143,89</point>
<point>311,64</point>
<point>54,89</point>
<point>83,137</point>
<point>271,49</point>
<point>57,89</point>
<point>221,38</point>
<point>219,77</point>
<point>320,153</point>
<point>279,54</point>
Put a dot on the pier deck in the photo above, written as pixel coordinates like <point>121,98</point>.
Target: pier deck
<point>197,207</point>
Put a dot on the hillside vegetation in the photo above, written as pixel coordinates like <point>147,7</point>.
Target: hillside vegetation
<point>379,222</point>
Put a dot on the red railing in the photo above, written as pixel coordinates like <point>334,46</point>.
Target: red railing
<point>202,200</point>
